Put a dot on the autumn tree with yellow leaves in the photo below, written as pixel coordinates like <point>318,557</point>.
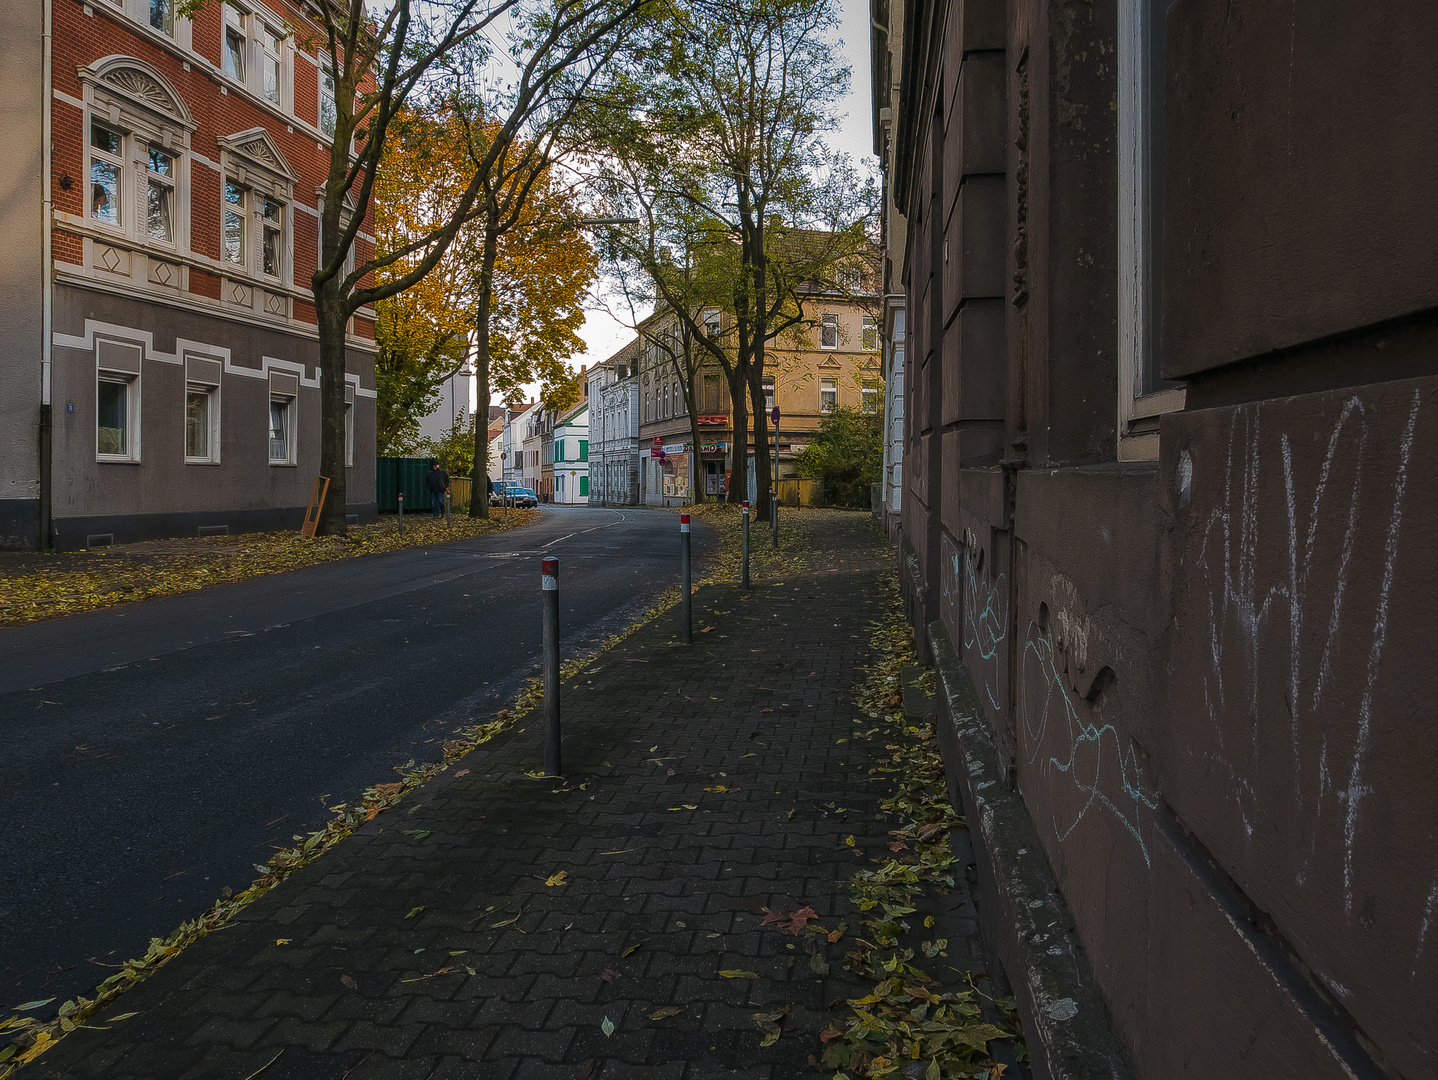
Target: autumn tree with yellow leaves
<point>536,276</point>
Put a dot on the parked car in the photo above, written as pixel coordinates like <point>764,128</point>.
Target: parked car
<point>514,495</point>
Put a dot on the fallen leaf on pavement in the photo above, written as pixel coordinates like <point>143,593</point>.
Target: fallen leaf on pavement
<point>829,1034</point>
<point>414,911</point>
<point>282,941</point>
<point>386,790</point>
<point>557,879</point>
<point>462,772</point>
<point>667,1011</point>
<point>609,975</point>
<point>720,789</point>
<point>792,921</point>
<point>769,1024</point>
<point>607,1027</point>
<point>349,982</point>
<point>632,949</point>
<point>418,834</point>
<point>735,974</point>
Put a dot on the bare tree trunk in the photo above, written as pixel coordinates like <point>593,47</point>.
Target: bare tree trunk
<point>739,402</point>
<point>479,497</point>
<point>762,473</point>
<point>332,317</point>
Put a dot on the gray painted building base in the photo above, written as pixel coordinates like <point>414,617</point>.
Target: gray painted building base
<point>75,533</point>
<point>19,524</point>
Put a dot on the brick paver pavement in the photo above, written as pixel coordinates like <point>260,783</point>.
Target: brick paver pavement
<point>429,946</point>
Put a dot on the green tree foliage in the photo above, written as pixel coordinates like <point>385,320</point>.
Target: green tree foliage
<point>726,166</point>
<point>847,457</point>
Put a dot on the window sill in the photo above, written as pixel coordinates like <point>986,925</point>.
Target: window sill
<point>282,464</point>
<point>200,461</point>
<point>116,460</point>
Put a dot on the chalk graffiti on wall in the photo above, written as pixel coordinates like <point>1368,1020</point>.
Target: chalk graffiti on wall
<point>1068,743</point>
<point>1307,578</point>
<point>983,608</point>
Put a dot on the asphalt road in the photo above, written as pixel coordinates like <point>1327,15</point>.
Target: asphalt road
<point>154,754</point>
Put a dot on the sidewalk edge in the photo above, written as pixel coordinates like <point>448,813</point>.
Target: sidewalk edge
<point>1023,914</point>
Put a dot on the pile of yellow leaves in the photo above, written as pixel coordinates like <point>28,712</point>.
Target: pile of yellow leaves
<point>42,586</point>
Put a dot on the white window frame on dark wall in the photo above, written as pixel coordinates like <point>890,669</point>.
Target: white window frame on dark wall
<point>120,364</point>
<point>828,394</point>
<point>828,331</point>
<point>1142,395</point>
<point>210,452</point>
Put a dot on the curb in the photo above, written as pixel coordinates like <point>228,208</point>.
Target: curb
<point>1022,912</point>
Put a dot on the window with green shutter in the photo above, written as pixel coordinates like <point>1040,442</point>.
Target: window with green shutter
<point>558,449</point>
<point>583,480</point>
<point>583,449</point>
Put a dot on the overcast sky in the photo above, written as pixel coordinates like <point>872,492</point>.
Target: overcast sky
<point>602,335</point>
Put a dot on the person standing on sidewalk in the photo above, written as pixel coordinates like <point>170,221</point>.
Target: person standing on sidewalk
<point>437,482</point>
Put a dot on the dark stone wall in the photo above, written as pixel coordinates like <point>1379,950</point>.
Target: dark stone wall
<point>1202,673</point>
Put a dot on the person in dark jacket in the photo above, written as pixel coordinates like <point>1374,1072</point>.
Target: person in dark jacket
<point>437,483</point>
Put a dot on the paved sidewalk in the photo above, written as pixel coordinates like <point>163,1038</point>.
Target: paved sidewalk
<point>429,945</point>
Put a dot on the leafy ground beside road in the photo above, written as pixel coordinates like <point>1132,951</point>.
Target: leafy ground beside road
<point>43,585</point>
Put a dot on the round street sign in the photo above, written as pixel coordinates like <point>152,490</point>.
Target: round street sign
<point>774,416</point>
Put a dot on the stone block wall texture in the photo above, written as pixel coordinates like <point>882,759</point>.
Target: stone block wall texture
<point>1206,670</point>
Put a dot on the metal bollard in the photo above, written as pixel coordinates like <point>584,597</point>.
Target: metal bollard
<point>446,507</point>
<point>549,601</point>
<point>774,513</point>
<point>744,571</point>
<point>686,629</point>
<point>401,513</point>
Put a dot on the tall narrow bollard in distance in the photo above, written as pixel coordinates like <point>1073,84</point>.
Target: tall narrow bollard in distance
<point>744,570</point>
<point>686,628</point>
<point>401,512</point>
<point>446,507</point>
<point>774,512</point>
<point>549,601</point>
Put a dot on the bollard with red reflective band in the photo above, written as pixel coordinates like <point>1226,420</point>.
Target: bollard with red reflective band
<point>686,627</point>
<point>549,601</point>
<point>744,570</point>
<point>401,511</point>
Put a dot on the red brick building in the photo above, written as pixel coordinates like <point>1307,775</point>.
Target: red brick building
<point>158,371</point>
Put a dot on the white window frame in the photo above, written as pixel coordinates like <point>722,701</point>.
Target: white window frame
<point>326,92</point>
<point>1138,410</point>
<point>167,7</point>
<point>242,212</point>
<point>349,432</point>
<point>212,451</point>
<point>871,397</point>
<point>770,393</point>
<point>236,22</point>
<point>131,381</point>
<point>134,100</point>
<point>828,388</point>
<point>275,56</point>
<point>713,321</point>
<point>870,339</point>
<point>289,403</point>
<point>114,159</point>
<point>275,228</point>
<point>168,183</point>
<point>828,323</point>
